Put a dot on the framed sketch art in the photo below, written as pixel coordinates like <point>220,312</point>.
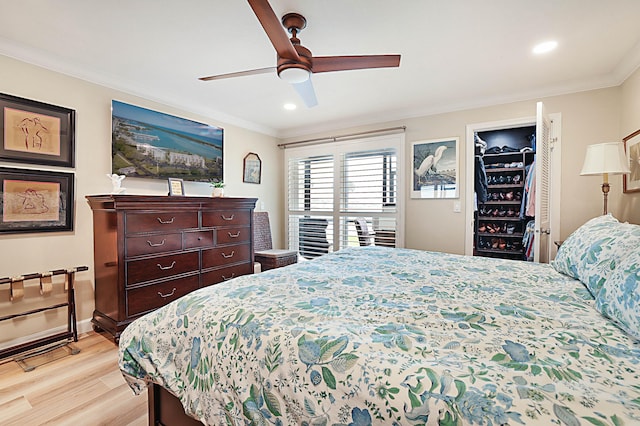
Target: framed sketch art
<point>36,133</point>
<point>35,201</point>
<point>252,168</point>
<point>631,182</point>
<point>435,168</point>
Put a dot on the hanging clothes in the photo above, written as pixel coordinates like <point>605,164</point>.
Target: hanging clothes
<point>531,191</point>
<point>527,240</point>
<point>528,205</point>
<point>480,174</point>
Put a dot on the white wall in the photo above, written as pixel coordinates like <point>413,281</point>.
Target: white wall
<point>24,253</point>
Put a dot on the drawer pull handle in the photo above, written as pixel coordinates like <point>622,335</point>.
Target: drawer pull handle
<point>164,222</point>
<point>164,296</point>
<point>228,256</point>
<point>227,218</point>
<point>236,235</point>
<point>164,268</point>
<point>233,274</point>
<point>157,244</point>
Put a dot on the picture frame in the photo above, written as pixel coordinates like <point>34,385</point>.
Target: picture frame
<point>252,168</point>
<point>36,133</point>
<point>36,201</point>
<point>152,144</point>
<point>176,187</point>
<point>434,168</point>
<point>631,182</point>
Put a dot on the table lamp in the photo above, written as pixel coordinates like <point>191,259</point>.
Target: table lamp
<point>605,159</point>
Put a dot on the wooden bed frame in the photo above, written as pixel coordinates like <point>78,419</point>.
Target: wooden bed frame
<point>166,409</point>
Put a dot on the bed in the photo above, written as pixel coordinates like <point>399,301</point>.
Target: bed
<point>375,335</point>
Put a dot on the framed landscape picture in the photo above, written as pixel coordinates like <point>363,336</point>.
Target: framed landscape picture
<point>36,133</point>
<point>151,144</point>
<point>35,201</point>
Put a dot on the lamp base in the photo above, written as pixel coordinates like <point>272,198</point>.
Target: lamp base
<point>605,195</point>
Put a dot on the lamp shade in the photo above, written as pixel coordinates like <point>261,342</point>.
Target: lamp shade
<point>605,157</point>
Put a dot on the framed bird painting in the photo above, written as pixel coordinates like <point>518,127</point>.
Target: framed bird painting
<point>435,168</point>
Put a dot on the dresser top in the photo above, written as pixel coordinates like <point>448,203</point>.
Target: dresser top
<point>152,202</point>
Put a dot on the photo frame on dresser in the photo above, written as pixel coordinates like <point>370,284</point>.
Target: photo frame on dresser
<point>36,201</point>
<point>36,133</point>
<point>176,187</point>
<point>631,182</point>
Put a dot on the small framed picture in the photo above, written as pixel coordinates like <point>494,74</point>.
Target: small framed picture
<point>36,201</point>
<point>176,187</point>
<point>631,182</point>
<point>252,168</point>
<point>36,133</point>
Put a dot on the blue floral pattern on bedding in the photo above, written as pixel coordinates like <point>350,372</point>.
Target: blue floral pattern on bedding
<point>390,337</point>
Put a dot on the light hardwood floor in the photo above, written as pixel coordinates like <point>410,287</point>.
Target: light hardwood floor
<point>82,389</point>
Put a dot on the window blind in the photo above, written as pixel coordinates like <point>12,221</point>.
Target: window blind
<point>332,186</point>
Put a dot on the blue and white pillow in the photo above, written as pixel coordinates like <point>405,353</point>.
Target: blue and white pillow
<point>594,250</point>
<point>619,298</point>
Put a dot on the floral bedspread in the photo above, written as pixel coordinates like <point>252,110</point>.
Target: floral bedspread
<point>390,337</point>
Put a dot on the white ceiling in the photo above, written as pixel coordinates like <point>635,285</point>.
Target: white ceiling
<point>456,54</point>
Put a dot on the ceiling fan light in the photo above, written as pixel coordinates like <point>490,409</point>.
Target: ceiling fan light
<point>294,75</point>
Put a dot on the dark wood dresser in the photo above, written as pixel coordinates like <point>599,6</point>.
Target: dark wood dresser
<point>151,250</point>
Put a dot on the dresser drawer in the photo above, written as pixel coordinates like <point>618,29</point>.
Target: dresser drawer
<point>225,274</point>
<point>160,221</point>
<point>150,244</point>
<point>197,239</point>
<point>233,235</point>
<point>148,298</point>
<point>225,218</point>
<point>161,266</point>
<point>225,255</point>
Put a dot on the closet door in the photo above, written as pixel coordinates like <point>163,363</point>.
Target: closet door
<point>543,161</point>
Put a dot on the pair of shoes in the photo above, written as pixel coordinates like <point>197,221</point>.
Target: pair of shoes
<point>510,229</point>
<point>516,179</point>
<point>498,243</point>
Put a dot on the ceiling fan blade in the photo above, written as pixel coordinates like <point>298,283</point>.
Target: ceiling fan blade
<point>274,29</point>
<point>343,63</point>
<point>239,74</point>
<point>306,92</point>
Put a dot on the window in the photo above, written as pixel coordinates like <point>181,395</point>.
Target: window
<point>332,185</point>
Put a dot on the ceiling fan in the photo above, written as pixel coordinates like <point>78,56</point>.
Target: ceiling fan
<point>295,62</point>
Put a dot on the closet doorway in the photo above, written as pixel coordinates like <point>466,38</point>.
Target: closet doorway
<point>518,215</point>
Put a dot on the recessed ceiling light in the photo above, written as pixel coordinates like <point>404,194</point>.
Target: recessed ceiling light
<point>290,107</point>
<point>545,47</point>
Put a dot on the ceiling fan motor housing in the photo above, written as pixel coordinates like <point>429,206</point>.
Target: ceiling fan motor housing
<point>295,22</point>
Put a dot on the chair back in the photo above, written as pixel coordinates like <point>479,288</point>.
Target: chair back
<point>313,237</point>
<point>261,232</point>
<point>364,237</point>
